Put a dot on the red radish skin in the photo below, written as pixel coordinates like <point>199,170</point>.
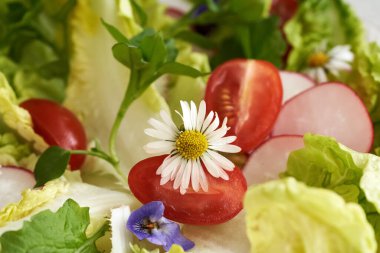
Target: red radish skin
<point>13,181</point>
<point>174,13</point>
<point>331,109</point>
<point>294,83</point>
<point>268,160</point>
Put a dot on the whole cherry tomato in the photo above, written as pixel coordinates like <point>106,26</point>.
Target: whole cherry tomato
<point>58,127</point>
<point>249,94</point>
<point>221,203</point>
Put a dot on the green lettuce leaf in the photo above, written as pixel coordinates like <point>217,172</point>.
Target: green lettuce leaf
<point>327,164</point>
<point>34,47</point>
<point>63,231</point>
<point>287,216</point>
<point>19,144</point>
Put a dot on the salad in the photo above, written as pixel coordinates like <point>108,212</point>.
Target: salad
<point>137,126</point>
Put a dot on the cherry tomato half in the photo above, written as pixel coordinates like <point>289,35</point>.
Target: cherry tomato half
<point>249,94</point>
<point>57,126</point>
<point>221,203</point>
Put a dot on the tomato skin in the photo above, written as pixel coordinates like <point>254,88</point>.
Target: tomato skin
<point>285,9</point>
<point>58,127</point>
<point>222,202</point>
<point>249,94</point>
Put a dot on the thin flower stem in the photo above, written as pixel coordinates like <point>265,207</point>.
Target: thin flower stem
<point>127,100</point>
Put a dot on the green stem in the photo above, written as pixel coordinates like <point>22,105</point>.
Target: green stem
<point>127,100</point>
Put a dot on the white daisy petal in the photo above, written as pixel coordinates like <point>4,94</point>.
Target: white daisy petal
<point>187,175</point>
<point>207,121</point>
<point>173,165</point>
<point>195,176</point>
<point>161,126</point>
<point>194,115</point>
<point>202,177</point>
<point>166,118</point>
<point>186,115</point>
<point>166,161</point>
<point>201,115</point>
<point>217,134</point>
<point>159,147</point>
<point>338,65</point>
<point>226,148</point>
<point>321,75</point>
<point>182,190</point>
<point>222,161</point>
<point>159,134</point>
<point>214,125</point>
<point>210,165</point>
<point>342,53</point>
<point>224,175</point>
<point>178,178</point>
<point>164,180</point>
<point>222,141</point>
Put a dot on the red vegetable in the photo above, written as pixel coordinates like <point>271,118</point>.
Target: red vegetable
<point>221,203</point>
<point>58,127</point>
<point>249,93</point>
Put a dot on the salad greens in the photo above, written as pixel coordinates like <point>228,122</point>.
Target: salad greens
<point>234,29</point>
<point>34,47</point>
<point>327,164</point>
<point>287,216</point>
<point>48,232</point>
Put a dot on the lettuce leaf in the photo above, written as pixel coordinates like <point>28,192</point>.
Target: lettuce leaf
<point>34,47</point>
<point>287,216</point>
<point>19,144</point>
<point>327,164</point>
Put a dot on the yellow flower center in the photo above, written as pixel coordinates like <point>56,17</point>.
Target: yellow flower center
<point>318,59</point>
<point>191,144</point>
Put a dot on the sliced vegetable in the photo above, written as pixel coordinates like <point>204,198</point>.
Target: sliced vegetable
<point>221,203</point>
<point>330,109</point>
<point>13,181</point>
<point>249,94</point>
<point>294,83</point>
<point>288,216</point>
<point>269,160</point>
<point>58,126</point>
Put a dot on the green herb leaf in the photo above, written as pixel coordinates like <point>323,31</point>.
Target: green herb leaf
<point>179,69</point>
<point>116,34</point>
<point>140,12</point>
<point>63,231</point>
<point>51,165</point>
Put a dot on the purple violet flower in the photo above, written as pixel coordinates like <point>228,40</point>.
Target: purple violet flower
<point>148,222</point>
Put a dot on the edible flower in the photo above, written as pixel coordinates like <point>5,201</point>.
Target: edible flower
<point>197,142</point>
<point>148,222</point>
<point>320,63</point>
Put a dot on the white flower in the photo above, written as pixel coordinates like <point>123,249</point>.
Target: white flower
<point>337,59</point>
<point>197,142</point>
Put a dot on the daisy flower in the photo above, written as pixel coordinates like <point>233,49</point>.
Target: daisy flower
<point>197,142</point>
<point>321,62</point>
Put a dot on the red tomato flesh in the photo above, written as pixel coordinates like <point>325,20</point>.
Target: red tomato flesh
<point>222,202</point>
<point>249,94</point>
<point>58,127</point>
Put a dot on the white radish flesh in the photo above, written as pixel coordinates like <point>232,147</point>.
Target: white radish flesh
<point>330,109</point>
<point>13,181</point>
<point>268,160</point>
<point>294,83</point>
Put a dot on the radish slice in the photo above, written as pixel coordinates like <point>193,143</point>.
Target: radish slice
<point>270,158</point>
<point>294,83</point>
<point>13,181</point>
<point>330,109</point>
